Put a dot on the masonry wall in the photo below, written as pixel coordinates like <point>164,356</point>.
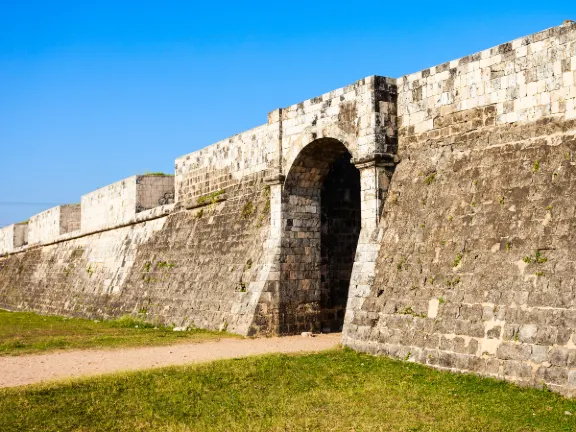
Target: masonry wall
<point>109,206</point>
<point>162,269</point>
<point>475,270</point>
<point>47,226</point>
<point>222,165</point>
<point>118,203</point>
<point>70,216</point>
<point>469,266</point>
<point>7,239</point>
<point>206,266</point>
<point>44,226</point>
<point>361,115</point>
<point>20,235</point>
<point>357,120</point>
<point>13,237</point>
<point>154,190</point>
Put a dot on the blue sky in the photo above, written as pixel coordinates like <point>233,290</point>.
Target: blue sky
<point>93,93</point>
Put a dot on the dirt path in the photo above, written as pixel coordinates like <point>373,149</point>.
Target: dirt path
<point>31,369</point>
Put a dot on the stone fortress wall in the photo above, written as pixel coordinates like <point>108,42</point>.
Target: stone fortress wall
<point>118,203</point>
<point>462,227</point>
<point>13,237</point>
<point>50,224</point>
<point>476,271</point>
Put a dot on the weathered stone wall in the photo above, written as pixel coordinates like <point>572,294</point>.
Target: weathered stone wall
<point>362,116</point>
<point>70,218</point>
<point>118,203</point>
<point>524,80</point>
<point>44,226</point>
<point>20,235</point>
<point>13,237</point>
<point>476,270</point>
<point>109,206</point>
<point>162,268</point>
<point>47,226</point>
<point>444,198</point>
<point>79,277</point>
<point>357,120</point>
<point>154,190</point>
<point>222,165</point>
<point>7,239</point>
<point>202,267</point>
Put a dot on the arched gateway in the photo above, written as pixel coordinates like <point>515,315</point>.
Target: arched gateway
<point>328,163</point>
<point>321,221</point>
<point>323,239</point>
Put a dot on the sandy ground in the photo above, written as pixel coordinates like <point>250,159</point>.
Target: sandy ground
<point>32,369</point>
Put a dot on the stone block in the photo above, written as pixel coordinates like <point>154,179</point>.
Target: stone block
<point>517,369</point>
<point>513,351</point>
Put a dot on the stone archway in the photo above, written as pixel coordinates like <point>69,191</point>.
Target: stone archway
<point>321,220</point>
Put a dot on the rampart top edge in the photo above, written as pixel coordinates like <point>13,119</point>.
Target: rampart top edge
<point>490,51</point>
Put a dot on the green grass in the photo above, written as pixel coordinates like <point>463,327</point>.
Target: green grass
<point>157,174</point>
<point>24,332</point>
<point>331,391</point>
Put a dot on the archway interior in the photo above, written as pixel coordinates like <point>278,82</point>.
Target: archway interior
<point>321,224</point>
<point>339,232</point>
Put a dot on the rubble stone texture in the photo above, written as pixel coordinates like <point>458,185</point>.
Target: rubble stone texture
<point>430,217</point>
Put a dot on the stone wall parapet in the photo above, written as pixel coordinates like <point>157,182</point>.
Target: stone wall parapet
<point>524,80</point>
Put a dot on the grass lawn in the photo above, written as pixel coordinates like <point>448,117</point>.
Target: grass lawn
<point>336,390</point>
<point>23,332</point>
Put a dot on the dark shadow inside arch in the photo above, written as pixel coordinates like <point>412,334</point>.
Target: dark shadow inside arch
<point>321,226</point>
<point>339,232</point>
